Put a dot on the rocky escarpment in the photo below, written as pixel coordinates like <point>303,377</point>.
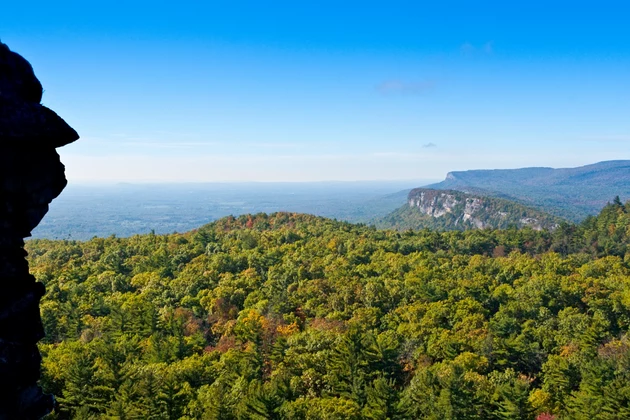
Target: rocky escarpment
<point>455,210</point>
<point>438,203</point>
<point>31,176</point>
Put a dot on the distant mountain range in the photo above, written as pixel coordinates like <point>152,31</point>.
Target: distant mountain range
<point>570,193</point>
<point>456,210</point>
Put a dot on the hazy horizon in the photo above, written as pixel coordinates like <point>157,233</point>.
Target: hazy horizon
<point>124,209</point>
<point>420,182</point>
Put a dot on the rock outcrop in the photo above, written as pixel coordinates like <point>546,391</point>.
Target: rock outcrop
<point>438,203</point>
<point>456,210</point>
<point>476,211</point>
<point>31,176</point>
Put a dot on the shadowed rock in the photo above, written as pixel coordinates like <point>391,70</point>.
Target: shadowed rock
<point>31,176</point>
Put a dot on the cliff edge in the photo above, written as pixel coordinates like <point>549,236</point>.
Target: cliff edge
<point>456,210</point>
<point>31,176</point>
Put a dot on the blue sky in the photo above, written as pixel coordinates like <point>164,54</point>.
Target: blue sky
<point>308,91</point>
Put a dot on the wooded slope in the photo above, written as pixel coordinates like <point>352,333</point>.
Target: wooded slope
<point>298,317</point>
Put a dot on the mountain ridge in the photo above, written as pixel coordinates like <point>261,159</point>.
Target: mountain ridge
<point>571,193</point>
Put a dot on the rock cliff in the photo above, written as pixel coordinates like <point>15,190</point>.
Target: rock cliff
<point>31,176</point>
<point>455,210</point>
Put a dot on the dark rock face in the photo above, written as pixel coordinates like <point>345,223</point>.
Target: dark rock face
<point>31,176</point>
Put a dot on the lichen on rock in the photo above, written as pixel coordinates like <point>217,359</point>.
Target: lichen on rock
<point>31,176</point>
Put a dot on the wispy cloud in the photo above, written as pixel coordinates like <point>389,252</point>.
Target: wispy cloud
<point>274,145</point>
<point>469,49</point>
<point>608,139</point>
<point>399,87</point>
<point>429,145</point>
<point>125,141</point>
<point>168,144</point>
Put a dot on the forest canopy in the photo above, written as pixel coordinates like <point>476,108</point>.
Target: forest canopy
<point>291,316</point>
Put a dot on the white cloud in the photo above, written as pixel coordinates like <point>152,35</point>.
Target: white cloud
<point>469,49</point>
<point>390,87</point>
<point>608,138</point>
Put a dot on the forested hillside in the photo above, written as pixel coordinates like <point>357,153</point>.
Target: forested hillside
<point>291,316</point>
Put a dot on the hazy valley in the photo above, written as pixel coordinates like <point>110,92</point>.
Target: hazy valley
<point>546,196</point>
<point>85,211</point>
